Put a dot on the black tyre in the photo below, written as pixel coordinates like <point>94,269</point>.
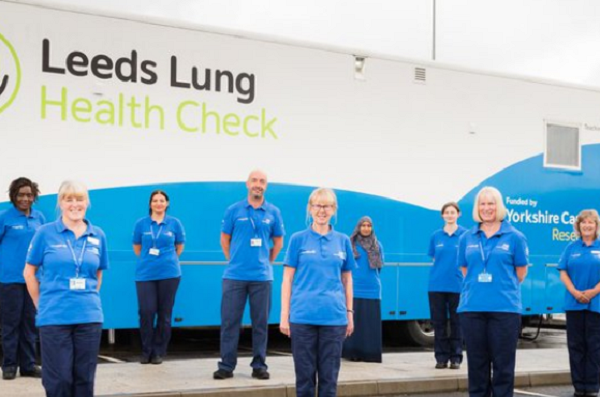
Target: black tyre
<point>418,332</point>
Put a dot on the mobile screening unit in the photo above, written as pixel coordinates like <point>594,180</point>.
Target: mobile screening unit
<point>129,106</point>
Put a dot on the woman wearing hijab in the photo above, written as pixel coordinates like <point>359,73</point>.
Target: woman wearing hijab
<point>365,343</point>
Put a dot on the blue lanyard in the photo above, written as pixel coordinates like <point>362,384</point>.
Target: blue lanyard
<point>157,235</point>
<point>78,263</point>
<point>252,223</point>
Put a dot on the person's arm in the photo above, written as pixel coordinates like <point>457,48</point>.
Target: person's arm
<point>33,285</point>
<point>99,278</point>
<point>179,249</point>
<point>521,272</point>
<point>592,292</point>
<point>137,249</point>
<point>277,246</point>
<point>463,269</point>
<point>347,283</point>
<point>286,293</point>
<point>578,295</point>
<point>225,244</point>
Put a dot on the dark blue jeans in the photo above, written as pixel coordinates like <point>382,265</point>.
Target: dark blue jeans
<point>69,358</point>
<point>156,300</point>
<point>317,351</point>
<point>17,315</point>
<point>491,340</point>
<point>448,346</point>
<point>583,340</point>
<point>233,301</point>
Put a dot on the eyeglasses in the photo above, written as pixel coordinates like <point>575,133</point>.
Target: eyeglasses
<point>318,207</point>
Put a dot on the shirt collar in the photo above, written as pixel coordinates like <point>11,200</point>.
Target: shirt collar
<point>17,213</point>
<point>261,207</point>
<point>595,244</point>
<point>505,227</point>
<point>61,228</point>
<point>327,236</point>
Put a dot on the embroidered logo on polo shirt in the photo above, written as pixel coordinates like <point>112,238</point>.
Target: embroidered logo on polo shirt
<point>472,246</point>
<point>441,245</point>
<point>308,252</point>
<point>267,221</point>
<point>504,247</point>
<point>59,246</point>
<point>94,250</point>
<point>341,255</point>
<point>18,227</point>
<point>575,255</point>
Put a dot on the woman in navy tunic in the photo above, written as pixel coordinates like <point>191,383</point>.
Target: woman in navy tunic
<point>365,342</point>
<point>17,312</point>
<point>445,283</point>
<point>493,257</point>
<point>157,241</point>
<point>579,268</point>
<point>316,298</point>
<point>72,254</point>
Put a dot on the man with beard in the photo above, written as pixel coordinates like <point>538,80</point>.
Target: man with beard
<point>248,226</point>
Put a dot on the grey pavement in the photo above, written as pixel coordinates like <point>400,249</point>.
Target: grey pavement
<point>400,373</point>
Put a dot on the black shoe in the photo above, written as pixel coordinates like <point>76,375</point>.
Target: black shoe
<point>222,374</point>
<point>441,365</point>
<point>455,366</point>
<point>34,372</point>
<point>579,393</point>
<point>156,360</point>
<point>9,373</point>
<point>145,360</point>
<point>260,373</point>
<point>591,394</point>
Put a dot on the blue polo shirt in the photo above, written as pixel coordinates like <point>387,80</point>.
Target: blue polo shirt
<point>50,251</point>
<point>164,236</point>
<point>243,223</point>
<point>366,282</point>
<point>499,255</point>
<point>445,275</point>
<point>582,264</point>
<point>16,232</point>
<point>318,296</point>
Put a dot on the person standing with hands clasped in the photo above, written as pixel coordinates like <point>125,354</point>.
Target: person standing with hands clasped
<point>493,256</point>
<point>248,227</point>
<point>158,242</point>
<point>579,267</point>
<point>316,298</point>
<point>17,312</point>
<point>72,254</point>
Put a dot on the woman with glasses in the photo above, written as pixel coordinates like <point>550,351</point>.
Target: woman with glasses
<point>17,312</point>
<point>71,254</point>
<point>158,241</point>
<point>316,298</point>
<point>366,344</point>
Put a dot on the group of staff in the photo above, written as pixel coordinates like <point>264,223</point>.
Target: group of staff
<point>330,294</point>
<point>475,296</point>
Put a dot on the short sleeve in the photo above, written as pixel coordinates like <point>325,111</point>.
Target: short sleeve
<point>103,253</point>
<point>563,262</point>
<point>350,262</point>
<point>42,218</point>
<point>431,250</point>
<point>461,256</point>
<point>2,231</point>
<point>137,233</point>
<point>35,254</point>
<point>227,223</point>
<point>278,228</point>
<point>521,251</point>
<point>291,256</point>
<point>179,232</point>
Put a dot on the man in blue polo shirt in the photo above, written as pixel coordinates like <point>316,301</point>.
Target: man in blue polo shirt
<point>248,228</point>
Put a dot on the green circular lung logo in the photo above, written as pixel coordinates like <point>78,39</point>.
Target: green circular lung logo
<point>10,73</point>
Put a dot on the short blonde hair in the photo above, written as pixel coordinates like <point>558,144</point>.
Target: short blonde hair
<point>73,188</point>
<point>496,196</point>
<point>587,214</point>
<point>321,194</point>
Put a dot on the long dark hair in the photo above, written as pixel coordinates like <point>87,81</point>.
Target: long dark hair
<point>19,183</point>
<point>154,193</point>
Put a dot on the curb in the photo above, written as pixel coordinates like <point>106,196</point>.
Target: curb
<point>366,388</point>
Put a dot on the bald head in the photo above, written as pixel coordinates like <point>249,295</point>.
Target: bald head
<point>257,185</point>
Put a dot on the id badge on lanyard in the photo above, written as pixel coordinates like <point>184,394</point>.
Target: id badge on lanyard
<point>483,277</point>
<point>256,241</point>
<point>77,283</point>
<point>155,251</point>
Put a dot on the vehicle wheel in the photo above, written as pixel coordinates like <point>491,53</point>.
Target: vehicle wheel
<point>418,332</point>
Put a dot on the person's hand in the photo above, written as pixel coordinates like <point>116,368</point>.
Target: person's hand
<point>590,294</point>
<point>350,327</point>
<point>581,297</point>
<point>284,327</point>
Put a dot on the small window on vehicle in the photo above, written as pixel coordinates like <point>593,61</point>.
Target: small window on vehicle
<point>563,148</point>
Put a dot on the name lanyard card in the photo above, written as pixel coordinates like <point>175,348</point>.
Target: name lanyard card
<point>155,251</point>
<point>77,283</point>
<point>484,277</point>
<point>255,241</point>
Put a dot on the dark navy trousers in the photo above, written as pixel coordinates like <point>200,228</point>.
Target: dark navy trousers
<point>17,315</point>
<point>156,299</point>
<point>583,341</point>
<point>491,339</point>
<point>317,351</point>
<point>69,358</point>
<point>447,345</point>
<point>233,302</point>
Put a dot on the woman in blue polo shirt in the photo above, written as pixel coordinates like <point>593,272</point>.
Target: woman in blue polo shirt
<point>72,255</point>
<point>365,343</point>
<point>157,241</point>
<point>579,268</point>
<point>316,298</point>
<point>493,257</point>
<point>445,283</point>
<point>17,312</point>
